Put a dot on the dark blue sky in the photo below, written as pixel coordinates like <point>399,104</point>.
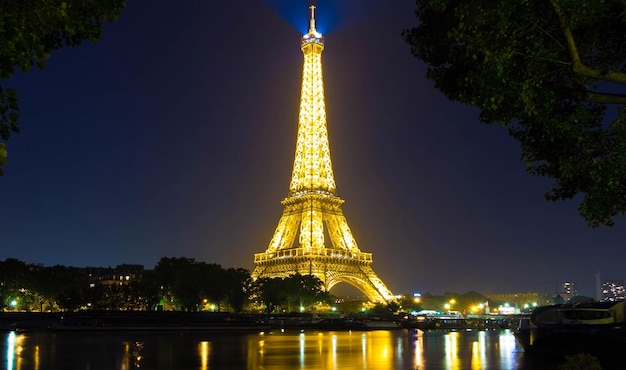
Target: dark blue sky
<point>175,134</point>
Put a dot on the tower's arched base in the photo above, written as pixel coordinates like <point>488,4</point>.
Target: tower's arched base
<point>333,267</point>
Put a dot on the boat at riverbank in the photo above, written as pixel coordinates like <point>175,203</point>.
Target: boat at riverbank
<point>598,328</point>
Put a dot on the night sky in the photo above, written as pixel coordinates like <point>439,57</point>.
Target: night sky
<point>174,136</point>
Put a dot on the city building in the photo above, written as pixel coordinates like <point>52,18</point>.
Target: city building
<point>613,290</point>
<point>120,275</point>
<point>568,291</point>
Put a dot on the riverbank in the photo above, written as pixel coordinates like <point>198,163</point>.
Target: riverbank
<point>176,320</point>
<point>129,320</point>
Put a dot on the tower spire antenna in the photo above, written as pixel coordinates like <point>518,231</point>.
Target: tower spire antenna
<point>312,21</point>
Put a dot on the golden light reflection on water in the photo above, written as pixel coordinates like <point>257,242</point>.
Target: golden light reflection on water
<point>326,350</point>
<point>358,350</point>
<point>204,349</point>
<point>132,356</point>
<point>418,350</point>
<point>36,358</point>
<point>451,350</point>
<point>479,358</point>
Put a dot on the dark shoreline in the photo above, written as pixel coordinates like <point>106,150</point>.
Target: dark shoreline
<point>177,320</point>
<point>127,320</point>
<point>224,321</point>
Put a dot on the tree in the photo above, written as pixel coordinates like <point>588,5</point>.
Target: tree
<point>15,279</point>
<point>47,285</point>
<point>181,278</point>
<point>271,292</point>
<point>549,71</point>
<point>212,282</point>
<point>290,292</point>
<point>148,289</point>
<point>238,286</point>
<point>304,290</point>
<point>73,285</point>
<point>581,361</point>
<point>31,29</point>
<point>408,303</point>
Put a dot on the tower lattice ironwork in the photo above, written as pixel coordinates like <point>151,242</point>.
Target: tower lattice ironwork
<point>312,212</point>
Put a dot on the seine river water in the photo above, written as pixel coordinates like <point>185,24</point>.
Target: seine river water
<point>340,350</point>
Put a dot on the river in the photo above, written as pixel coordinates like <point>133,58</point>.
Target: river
<point>279,350</point>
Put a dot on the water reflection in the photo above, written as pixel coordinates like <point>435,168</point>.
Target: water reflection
<point>418,350</point>
<point>204,355</point>
<point>308,350</point>
<point>479,359</point>
<point>507,348</point>
<point>10,350</point>
<point>332,350</point>
<point>36,358</point>
<point>452,359</point>
<point>14,350</point>
<point>131,359</point>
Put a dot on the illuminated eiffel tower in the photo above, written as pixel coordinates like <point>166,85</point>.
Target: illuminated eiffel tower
<point>312,206</point>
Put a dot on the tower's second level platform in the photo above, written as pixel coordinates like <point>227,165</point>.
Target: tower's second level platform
<point>308,252</point>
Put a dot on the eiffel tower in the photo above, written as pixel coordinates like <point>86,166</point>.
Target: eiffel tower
<point>313,206</point>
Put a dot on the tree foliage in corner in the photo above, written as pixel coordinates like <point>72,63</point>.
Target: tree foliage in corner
<point>31,29</point>
<point>553,72</point>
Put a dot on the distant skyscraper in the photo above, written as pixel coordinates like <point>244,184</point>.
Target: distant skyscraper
<point>613,290</point>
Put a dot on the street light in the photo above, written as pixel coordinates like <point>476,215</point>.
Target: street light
<point>417,297</point>
<point>448,305</point>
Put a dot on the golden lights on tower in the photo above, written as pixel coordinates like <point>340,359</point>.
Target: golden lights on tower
<point>312,212</point>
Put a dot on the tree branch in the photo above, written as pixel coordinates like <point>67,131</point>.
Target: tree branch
<point>577,65</point>
<point>606,98</point>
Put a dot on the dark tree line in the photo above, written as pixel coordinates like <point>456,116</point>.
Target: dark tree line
<point>187,283</point>
<point>174,284</point>
<point>290,293</point>
<point>30,285</point>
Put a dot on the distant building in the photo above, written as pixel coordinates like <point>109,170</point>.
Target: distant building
<point>613,290</point>
<point>569,291</point>
<point>120,275</point>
